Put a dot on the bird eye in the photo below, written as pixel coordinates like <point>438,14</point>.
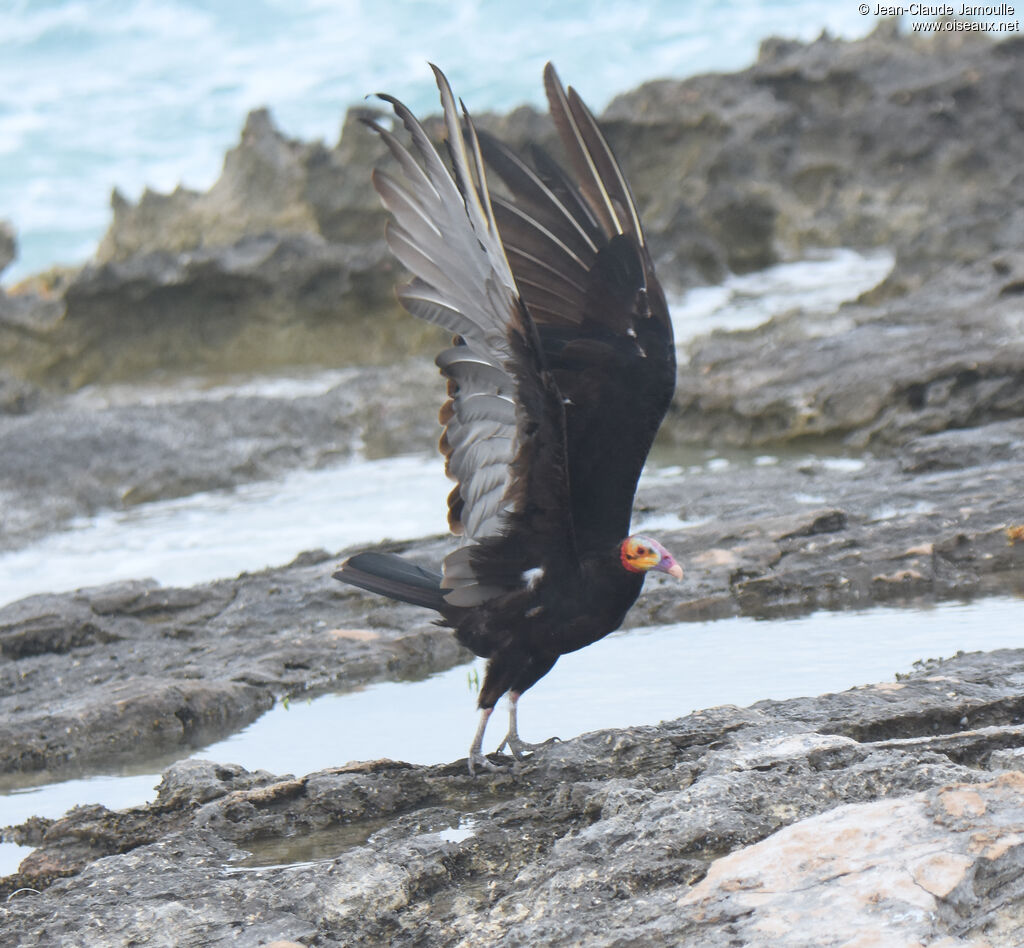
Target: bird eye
<point>642,550</point>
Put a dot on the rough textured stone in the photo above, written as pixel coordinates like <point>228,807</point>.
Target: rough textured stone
<point>8,245</point>
<point>910,869</point>
<point>134,670</point>
<point>937,358</point>
<point>56,463</point>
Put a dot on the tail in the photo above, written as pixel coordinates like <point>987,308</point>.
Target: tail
<point>391,576</point>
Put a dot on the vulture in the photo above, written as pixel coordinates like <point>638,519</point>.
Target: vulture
<point>561,369</point>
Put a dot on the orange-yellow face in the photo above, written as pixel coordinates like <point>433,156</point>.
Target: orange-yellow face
<point>640,554</point>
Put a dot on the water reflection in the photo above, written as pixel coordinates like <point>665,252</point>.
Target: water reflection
<point>640,676</point>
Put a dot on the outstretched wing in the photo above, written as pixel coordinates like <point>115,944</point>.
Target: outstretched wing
<point>504,434</point>
<point>577,251</point>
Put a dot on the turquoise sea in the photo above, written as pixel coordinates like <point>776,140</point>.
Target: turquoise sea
<point>98,94</point>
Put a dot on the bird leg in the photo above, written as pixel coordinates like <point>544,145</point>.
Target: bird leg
<point>514,742</point>
<point>476,755</point>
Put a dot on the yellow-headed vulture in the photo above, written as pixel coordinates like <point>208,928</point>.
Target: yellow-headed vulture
<point>562,367</point>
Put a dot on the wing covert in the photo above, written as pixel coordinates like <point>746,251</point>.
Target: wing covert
<point>577,251</point>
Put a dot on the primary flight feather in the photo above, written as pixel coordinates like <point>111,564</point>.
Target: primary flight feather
<point>560,372</point>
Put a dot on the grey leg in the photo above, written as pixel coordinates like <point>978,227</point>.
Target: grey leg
<point>476,756</point>
<point>516,744</point>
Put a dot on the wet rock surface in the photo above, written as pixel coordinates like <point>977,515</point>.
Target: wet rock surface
<point>837,533</point>
<point>134,670</point>
<point>889,812</point>
<point>943,356</point>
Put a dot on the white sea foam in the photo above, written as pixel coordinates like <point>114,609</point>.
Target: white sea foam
<point>97,94</point>
<point>221,533</point>
<point>818,286</point>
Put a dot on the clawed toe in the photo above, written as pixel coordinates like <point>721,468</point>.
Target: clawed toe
<point>481,760</point>
<point>518,747</point>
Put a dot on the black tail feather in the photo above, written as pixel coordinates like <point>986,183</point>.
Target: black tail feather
<point>391,576</point>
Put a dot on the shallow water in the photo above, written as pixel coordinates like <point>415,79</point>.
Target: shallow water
<point>301,384</point>
<point>217,534</point>
<point>640,676</point>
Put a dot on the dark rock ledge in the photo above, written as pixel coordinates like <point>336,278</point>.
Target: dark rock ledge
<point>79,455</point>
<point>892,814</point>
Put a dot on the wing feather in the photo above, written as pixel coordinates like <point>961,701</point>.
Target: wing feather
<point>604,326</point>
<point>581,156</point>
<point>613,182</point>
<point>404,203</point>
<point>536,195</point>
<point>504,434</point>
<point>520,230</point>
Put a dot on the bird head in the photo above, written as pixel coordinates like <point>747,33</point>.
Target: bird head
<point>639,554</point>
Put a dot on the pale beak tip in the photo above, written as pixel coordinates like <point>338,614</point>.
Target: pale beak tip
<point>676,570</point>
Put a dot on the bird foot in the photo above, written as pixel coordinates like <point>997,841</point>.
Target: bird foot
<point>477,759</point>
<point>517,746</point>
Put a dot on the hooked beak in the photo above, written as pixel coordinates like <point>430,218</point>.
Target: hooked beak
<point>670,566</point>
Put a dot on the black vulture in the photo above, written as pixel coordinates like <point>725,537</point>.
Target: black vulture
<point>561,370</point>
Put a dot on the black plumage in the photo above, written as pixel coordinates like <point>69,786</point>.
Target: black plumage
<point>561,370</point>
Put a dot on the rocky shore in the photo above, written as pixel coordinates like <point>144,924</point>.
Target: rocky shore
<point>900,142</point>
<point>104,673</point>
<point>891,813</point>
<point>894,425</point>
